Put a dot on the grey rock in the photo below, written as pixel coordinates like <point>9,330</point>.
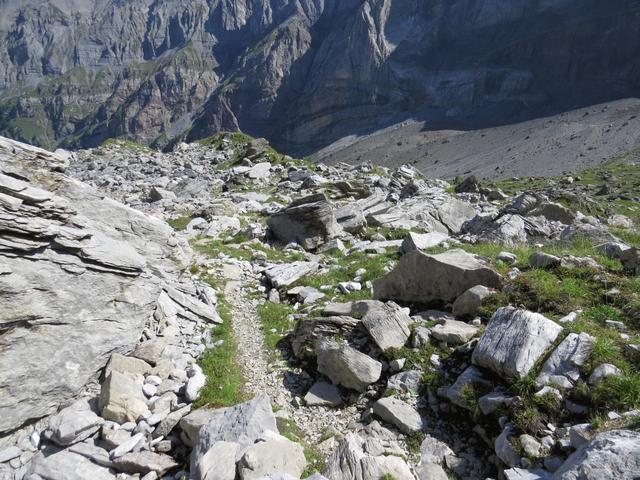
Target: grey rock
<point>603,371</point>
<point>398,413</point>
<point>195,384</point>
<point>276,454</point>
<point>170,421</point>
<point>492,401</point>
<point>191,423</point>
<point>121,398</point>
<point>388,326</point>
<point>350,461</point>
<point>127,446</point>
<point>243,424</point>
<point>513,341</point>
<point>405,382</point>
<point>74,424</point>
<point>431,471</point>
<point>471,377</point>
<point>221,224</point>
<point>434,451</point>
<point>422,241</point>
<point>81,266</point>
<point>554,212</point>
<point>580,434</point>
<point>543,260</point>
<point>468,303</point>
<point>307,332</point>
<point>420,337</point>
<point>123,364</point>
<point>530,446</point>
<point>9,453</point>
<point>563,366</point>
<point>309,222</point>
<point>523,474</point>
<point>609,456</point>
<point>144,462</point>
<point>453,332</point>
<point>422,278</point>
<point>68,465</point>
<point>218,463</point>
<point>504,448</point>
<point>284,274</point>
<point>323,394</point>
<point>90,450</point>
<point>346,366</point>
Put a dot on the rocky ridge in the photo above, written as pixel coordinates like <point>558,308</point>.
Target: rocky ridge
<point>303,73</point>
<point>373,365</point>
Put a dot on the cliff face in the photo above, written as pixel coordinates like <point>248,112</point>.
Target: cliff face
<point>301,72</point>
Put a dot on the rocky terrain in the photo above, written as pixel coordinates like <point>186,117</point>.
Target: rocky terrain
<point>302,73</point>
<point>567,142</point>
<point>226,312</point>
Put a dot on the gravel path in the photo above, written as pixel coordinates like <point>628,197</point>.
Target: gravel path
<point>266,372</point>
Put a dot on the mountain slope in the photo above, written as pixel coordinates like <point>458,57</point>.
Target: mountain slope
<point>545,147</point>
<point>303,73</point>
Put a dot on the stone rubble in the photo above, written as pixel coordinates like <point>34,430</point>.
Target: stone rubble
<point>128,316</point>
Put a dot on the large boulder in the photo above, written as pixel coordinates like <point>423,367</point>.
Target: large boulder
<point>422,278</point>
<point>388,325</point>
<point>352,461</point>
<point>346,366</point>
<point>82,275</point>
<point>276,454</point>
<point>611,455</point>
<point>513,341</point>
<point>309,222</point>
<point>242,424</point>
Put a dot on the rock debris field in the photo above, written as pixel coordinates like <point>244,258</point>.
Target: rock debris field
<point>225,312</point>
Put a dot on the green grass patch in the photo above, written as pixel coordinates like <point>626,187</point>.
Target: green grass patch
<point>276,322</point>
<point>618,392</point>
<point>180,223</point>
<point>214,248</point>
<point>225,383</point>
<point>343,269</point>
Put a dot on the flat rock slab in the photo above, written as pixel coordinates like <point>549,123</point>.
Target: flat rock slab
<point>423,278</point>
<point>323,394</point>
<point>68,465</point>
<point>284,274</point>
<point>421,241</point>
<point>453,332</point>
<point>145,462</point>
<point>514,341</point>
<point>399,414</point>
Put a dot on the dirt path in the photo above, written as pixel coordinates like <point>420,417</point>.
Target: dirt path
<point>266,372</point>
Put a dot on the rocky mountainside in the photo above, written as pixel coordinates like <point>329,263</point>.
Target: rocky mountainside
<point>302,73</point>
<point>548,146</point>
<point>227,312</point>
